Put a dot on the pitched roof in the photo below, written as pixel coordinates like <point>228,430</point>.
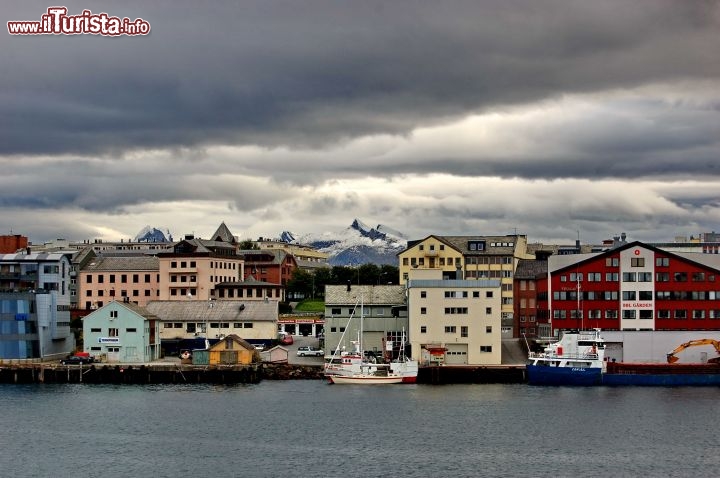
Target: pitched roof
<point>127,263</point>
<point>368,294</point>
<point>215,310</point>
<point>530,268</point>
<point>223,234</point>
<point>235,338</point>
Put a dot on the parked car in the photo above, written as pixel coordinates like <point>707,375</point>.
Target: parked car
<point>309,350</point>
<point>286,339</point>
<point>77,360</point>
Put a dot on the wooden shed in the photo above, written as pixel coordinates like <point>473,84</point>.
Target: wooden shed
<point>277,354</point>
<point>232,350</point>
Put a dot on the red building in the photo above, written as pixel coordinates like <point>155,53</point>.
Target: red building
<point>632,287</point>
<point>13,243</point>
<point>273,266</point>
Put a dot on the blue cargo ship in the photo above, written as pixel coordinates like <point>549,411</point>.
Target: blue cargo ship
<point>578,358</point>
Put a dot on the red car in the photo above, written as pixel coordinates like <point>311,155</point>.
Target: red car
<point>286,339</point>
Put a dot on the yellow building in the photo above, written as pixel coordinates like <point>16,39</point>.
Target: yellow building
<point>470,258</point>
<point>232,350</point>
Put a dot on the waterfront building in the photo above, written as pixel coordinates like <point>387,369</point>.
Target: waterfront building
<point>35,306</point>
<point>121,331</point>
<point>634,287</point>
<point>252,320</point>
<point>454,321</point>
<point>382,309</point>
<point>528,273</point>
<point>104,279</point>
<point>231,350</point>
<point>470,258</point>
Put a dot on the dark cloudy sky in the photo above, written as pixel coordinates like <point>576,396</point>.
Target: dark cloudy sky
<point>454,117</point>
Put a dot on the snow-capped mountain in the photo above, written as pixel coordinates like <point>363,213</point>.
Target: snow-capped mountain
<point>355,245</point>
<point>151,234</point>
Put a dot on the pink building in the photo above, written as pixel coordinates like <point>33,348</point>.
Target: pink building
<point>105,279</point>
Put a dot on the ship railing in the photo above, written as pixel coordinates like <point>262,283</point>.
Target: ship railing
<point>580,356</point>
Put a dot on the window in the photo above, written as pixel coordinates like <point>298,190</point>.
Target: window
<point>89,279</point>
<point>611,276</point>
<point>423,294</point>
<point>663,314</point>
<point>488,294</point>
<point>112,278</point>
<point>662,277</point>
<point>628,277</point>
<point>486,348</point>
<point>423,329</point>
<point>595,314</point>
<point>645,295</point>
<point>488,329</point>
<point>488,310</point>
<point>637,262</point>
<point>628,295</point>
<point>680,277</point>
<point>336,311</point>
<point>594,277</point>
<point>698,314</point>
<point>681,314</point>
<point>113,314</point>
<point>628,314</point>
<point>576,277</point>
<point>246,325</point>
<point>610,295</point>
<point>644,276</point>
<point>698,277</point>
<point>450,329</point>
<point>476,294</point>
<point>131,329</point>
<point>612,262</point>
<point>113,332</point>
<point>423,310</point>
<point>662,261</point>
<point>646,314</point>
<point>463,331</point>
<point>611,314</point>
<point>95,331</point>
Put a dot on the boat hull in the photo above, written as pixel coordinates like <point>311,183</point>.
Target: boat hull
<point>548,375</point>
<point>620,374</point>
<point>364,379</point>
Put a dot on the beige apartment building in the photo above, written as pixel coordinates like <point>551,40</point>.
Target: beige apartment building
<point>194,268</point>
<point>107,278</point>
<point>470,258</point>
<point>454,321</point>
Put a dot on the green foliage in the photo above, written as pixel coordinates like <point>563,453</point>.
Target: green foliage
<point>310,305</point>
<point>305,284</point>
<point>248,245</point>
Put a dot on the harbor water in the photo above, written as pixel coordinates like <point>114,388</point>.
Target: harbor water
<point>302,428</point>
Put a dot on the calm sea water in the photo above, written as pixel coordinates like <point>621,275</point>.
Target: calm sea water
<point>312,429</point>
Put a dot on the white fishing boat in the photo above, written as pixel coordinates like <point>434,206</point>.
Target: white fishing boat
<point>359,368</point>
<point>378,375</point>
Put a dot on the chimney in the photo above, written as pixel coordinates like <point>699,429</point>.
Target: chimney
<point>348,286</point>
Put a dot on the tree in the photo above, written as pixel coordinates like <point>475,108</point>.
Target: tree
<point>248,245</point>
<point>300,284</point>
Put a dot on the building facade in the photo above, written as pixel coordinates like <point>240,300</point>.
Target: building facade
<point>35,306</point>
<point>254,321</point>
<point>122,332</point>
<point>273,266</point>
<point>195,266</point>
<point>635,287</point>
<point>470,258</point>
<point>380,311</point>
<point>109,278</point>
<point>454,321</point>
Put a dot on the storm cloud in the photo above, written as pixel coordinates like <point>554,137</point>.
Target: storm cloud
<point>459,117</point>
